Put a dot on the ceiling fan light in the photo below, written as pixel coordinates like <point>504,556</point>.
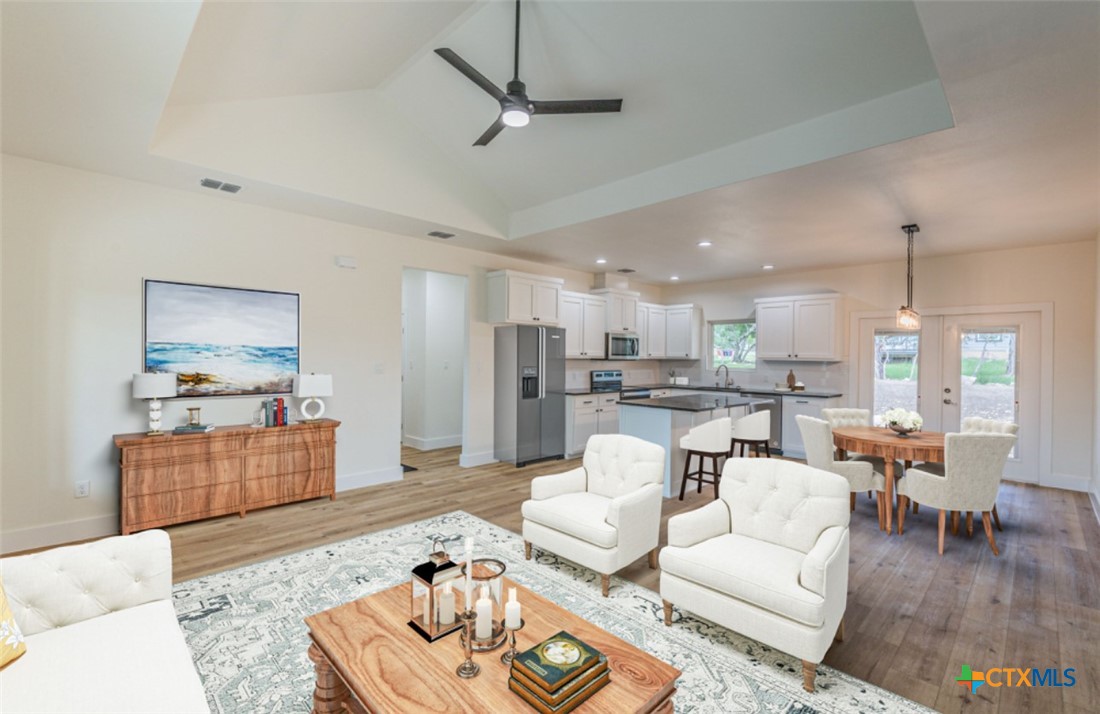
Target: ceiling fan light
<point>515,116</point>
<point>908,318</point>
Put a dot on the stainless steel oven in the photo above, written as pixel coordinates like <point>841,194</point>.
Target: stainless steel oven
<point>623,345</point>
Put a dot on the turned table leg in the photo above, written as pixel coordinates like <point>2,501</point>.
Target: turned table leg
<point>329,692</point>
<point>889,505</point>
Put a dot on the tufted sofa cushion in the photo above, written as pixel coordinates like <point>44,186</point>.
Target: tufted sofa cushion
<point>66,585</point>
<point>617,464</point>
<point>783,502</point>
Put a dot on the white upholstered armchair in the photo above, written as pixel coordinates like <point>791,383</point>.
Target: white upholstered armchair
<point>605,514</point>
<point>768,559</point>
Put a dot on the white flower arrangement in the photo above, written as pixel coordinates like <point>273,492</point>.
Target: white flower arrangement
<point>901,417</point>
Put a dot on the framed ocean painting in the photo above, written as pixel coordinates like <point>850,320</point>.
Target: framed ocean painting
<point>221,341</point>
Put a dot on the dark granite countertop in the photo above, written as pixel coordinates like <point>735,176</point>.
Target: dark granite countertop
<point>692,402</point>
<point>814,393</point>
<point>584,391</point>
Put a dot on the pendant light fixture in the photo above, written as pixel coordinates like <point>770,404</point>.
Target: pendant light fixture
<point>908,318</point>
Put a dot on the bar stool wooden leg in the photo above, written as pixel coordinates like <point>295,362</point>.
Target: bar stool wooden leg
<point>687,469</point>
<point>853,501</point>
<point>767,449</point>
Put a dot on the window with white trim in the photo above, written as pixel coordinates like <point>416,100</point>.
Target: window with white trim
<point>733,343</point>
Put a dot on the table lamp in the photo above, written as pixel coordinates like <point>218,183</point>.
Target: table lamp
<point>153,386</point>
<point>311,386</point>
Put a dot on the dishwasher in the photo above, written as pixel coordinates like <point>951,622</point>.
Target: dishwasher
<point>776,409</point>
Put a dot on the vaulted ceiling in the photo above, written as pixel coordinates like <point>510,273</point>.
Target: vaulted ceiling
<point>800,134</point>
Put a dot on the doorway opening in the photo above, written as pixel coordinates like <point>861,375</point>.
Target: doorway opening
<point>433,360</point>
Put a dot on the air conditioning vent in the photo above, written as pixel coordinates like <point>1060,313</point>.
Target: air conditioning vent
<point>230,187</point>
<point>626,270</point>
<point>210,183</point>
<point>441,234</point>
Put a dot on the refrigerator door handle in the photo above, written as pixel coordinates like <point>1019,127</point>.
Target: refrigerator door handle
<point>542,362</point>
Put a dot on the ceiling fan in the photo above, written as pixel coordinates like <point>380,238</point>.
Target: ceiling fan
<point>516,109</point>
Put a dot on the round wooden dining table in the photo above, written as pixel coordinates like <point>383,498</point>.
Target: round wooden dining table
<point>878,441</point>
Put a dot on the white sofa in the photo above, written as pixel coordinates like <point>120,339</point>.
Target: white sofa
<point>605,514</point>
<point>100,629</point>
<point>768,559</point>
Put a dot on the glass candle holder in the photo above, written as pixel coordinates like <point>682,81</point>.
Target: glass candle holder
<point>488,573</point>
<point>193,418</point>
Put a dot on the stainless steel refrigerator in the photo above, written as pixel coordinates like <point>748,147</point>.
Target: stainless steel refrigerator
<point>529,401</point>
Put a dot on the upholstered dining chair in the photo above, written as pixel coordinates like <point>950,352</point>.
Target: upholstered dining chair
<point>972,469</point>
<point>863,473</point>
<point>768,559</point>
<point>752,431</point>
<point>710,440</point>
<point>840,417</point>
<point>606,513</point>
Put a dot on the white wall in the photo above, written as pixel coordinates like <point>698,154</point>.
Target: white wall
<point>1065,275</point>
<point>75,247</point>
<point>435,346</point>
<point>1094,492</point>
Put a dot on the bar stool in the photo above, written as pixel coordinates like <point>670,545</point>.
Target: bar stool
<point>709,440</point>
<point>754,431</point>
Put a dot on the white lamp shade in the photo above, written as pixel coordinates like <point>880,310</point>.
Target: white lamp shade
<point>154,385</point>
<point>313,385</point>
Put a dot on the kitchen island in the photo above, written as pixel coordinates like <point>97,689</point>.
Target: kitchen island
<point>664,420</point>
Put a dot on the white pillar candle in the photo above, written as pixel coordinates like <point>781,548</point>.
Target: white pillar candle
<point>447,606</point>
<point>511,610</point>
<point>483,628</point>
<point>427,609</point>
<point>469,604</point>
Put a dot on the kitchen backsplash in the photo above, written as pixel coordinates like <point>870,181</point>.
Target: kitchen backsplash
<point>815,375</point>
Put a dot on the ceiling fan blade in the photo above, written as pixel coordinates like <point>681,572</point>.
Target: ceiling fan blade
<point>490,133</point>
<point>578,106</point>
<point>472,74</point>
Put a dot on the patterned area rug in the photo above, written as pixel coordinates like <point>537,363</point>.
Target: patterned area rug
<point>246,634</point>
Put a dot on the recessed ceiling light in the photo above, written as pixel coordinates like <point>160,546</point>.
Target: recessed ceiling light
<point>674,277</point>
<point>705,244</point>
<point>601,261</point>
<point>767,267</point>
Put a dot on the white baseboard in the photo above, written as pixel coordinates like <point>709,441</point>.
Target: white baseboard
<point>58,533</point>
<point>468,461</point>
<point>347,482</point>
<point>437,442</point>
<point>1095,498</point>
<point>1070,482</point>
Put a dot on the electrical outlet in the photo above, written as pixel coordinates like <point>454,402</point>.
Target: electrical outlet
<point>83,489</point>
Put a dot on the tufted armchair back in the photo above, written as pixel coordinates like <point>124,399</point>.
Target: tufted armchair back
<point>617,464</point>
<point>783,502</point>
<point>972,425</point>
<point>841,417</point>
<point>65,585</point>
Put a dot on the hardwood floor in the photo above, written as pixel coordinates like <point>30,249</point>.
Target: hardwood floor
<point>913,619</point>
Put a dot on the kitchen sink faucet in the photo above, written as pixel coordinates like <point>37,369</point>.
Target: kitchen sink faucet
<point>729,382</point>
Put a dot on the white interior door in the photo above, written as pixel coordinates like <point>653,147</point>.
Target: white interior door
<point>991,369</point>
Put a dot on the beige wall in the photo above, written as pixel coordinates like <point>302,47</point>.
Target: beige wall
<point>1065,275</point>
<point>1095,490</point>
<point>76,246</point>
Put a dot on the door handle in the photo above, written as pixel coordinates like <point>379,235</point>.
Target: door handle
<point>948,401</point>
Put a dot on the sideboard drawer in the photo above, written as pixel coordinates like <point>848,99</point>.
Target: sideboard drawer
<point>186,504</point>
<point>141,480</point>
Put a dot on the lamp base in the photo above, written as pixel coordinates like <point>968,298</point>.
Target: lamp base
<point>155,433</point>
<point>304,408</point>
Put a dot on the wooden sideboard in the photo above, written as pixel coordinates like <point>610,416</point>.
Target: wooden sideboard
<point>174,478</point>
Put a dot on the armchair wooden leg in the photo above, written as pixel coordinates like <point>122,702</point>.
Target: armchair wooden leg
<point>853,501</point>
<point>954,523</point>
<point>989,532</point>
<point>996,518</point>
<point>809,671</point>
<point>868,494</point>
<point>942,525</point>
<point>901,514</point>
<point>653,559</point>
<point>969,524</point>
<point>839,637</point>
<point>668,612</point>
<point>605,583</point>
<point>527,550</point>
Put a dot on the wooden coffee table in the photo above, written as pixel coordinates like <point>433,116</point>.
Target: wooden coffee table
<point>368,659</point>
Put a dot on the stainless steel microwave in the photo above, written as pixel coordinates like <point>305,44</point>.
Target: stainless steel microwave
<point>623,345</point>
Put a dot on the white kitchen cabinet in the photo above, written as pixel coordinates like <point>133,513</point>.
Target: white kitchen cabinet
<point>683,332</point>
<point>809,327</point>
<point>793,405</point>
<point>583,317</point>
<point>622,309</point>
<point>586,415</point>
<point>523,298</point>
<point>651,323</point>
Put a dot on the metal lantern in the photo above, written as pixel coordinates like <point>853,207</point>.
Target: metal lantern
<point>434,595</point>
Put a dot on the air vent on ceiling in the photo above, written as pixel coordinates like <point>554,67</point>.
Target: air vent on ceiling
<point>626,270</point>
<point>441,234</point>
<point>221,185</point>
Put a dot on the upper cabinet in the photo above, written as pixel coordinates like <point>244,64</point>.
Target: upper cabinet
<point>651,328</point>
<point>622,309</point>
<point>583,317</point>
<point>524,298</point>
<point>808,327</point>
<point>683,332</point>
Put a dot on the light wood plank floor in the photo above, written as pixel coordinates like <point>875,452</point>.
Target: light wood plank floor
<point>913,617</point>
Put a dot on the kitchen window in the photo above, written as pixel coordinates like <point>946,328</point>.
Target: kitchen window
<point>733,343</point>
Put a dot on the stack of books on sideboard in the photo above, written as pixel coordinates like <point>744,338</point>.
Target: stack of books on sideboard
<point>558,674</point>
<point>275,412</point>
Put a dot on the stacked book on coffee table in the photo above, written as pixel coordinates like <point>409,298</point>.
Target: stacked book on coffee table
<point>558,674</point>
